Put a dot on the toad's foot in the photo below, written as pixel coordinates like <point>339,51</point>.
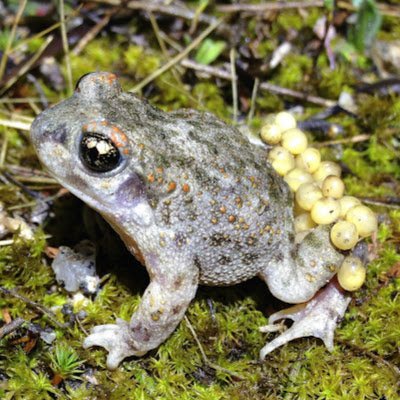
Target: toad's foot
<point>318,318</point>
<point>116,339</point>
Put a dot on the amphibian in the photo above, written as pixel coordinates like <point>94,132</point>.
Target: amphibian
<point>194,201</point>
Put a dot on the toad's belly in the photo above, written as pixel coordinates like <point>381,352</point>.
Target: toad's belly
<point>230,259</point>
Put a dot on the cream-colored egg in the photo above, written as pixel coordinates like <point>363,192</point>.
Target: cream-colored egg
<point>307,194</point>
<point>281,160</point>
<point>364,219</point>
<point>303,222</point>
<point>294,140</point>
<point>325,211</point>
<point>325,169</point>
<point>351,274</point>
<point>347,202</point>
<point>285,121</point>
<point>309,160</point>
<point>344,235</point>
<point>333,186</point>
<point>296,177</point>
<point>297,210</point>
<point>271,133</point>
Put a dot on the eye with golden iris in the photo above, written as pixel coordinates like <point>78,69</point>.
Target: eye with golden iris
<point>98,152</point>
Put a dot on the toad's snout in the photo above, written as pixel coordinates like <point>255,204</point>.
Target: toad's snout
<point>45,131</point>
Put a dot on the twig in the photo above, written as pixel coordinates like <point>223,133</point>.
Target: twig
<point>93,32</point>
<point>253,100</point>
<point>64,39</point>
<point>269,6</point>
<point>234,86</point>
<point>33,304</point>
<point>4,58</point>
<point>15,124</point>
<point>354,139</point>
<point>25,68</point>
<point>11,327</point>
<point>385,9</point>
<point>177,58</point>
<point>205,358</point>
<point>298,95</point>
<point>176,11</point>
<point>223,74</point>
<point>207,69</point>
<point>389,203</point>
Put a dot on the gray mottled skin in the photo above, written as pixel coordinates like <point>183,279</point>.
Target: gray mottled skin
<point>193,200</point>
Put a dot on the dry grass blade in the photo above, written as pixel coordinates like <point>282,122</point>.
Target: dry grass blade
<point>64,39</point>
<point>27,66</point>
<point>234,86</point>
<point>163,48</point>
<point>23,126</point>
<point>253,100</point>
<point>204,355</point>
<point>177,58</point>
<point>10,41</point>
<point>89,36</point>
<point>34,305</point>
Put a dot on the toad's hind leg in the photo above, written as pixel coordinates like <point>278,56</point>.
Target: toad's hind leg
<point>295,277</point>
<point>317,318</point>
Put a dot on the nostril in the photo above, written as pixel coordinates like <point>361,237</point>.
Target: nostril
<point>48,133</point>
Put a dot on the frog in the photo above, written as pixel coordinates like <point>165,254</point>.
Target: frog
<point>196,202</point>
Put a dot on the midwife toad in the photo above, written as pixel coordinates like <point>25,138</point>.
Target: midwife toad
<point>194,201</point>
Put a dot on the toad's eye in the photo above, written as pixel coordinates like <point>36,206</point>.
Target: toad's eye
<point>98,153</point>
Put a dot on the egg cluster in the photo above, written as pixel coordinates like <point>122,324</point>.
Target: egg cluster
<point>319,193</point>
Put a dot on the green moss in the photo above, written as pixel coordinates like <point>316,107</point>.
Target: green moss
<point>225,320</point>
<point>294,72</point>
<point>332,82</point>
<point>140,62</point>
<point>93,57</point>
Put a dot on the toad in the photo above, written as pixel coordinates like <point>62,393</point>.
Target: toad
<point>195,202</point>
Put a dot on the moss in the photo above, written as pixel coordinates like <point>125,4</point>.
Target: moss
<point>294,72</point>
<point>93,58</point>
<point>226,320</point>
<point>332,82</point>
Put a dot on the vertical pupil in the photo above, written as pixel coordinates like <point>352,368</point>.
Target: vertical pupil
<point>98,153</point>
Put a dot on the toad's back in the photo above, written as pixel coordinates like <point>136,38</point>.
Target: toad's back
<point>217,193</point>
<point>184,186</point>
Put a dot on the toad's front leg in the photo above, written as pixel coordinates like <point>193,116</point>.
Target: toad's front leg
<point>163,306</point>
